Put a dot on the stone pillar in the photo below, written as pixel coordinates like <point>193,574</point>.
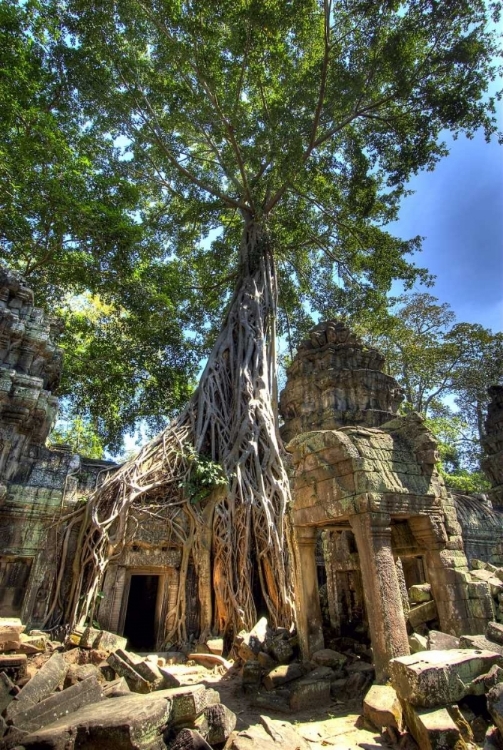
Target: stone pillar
<point>307,599</point>
<point>381,587</point>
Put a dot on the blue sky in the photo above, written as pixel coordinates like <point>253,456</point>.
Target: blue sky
<point>458,208</point>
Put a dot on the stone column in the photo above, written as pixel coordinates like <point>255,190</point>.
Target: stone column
<point>309,620</point>
<point>383,599</point>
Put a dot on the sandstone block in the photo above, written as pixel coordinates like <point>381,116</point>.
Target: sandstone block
<point>283,674</point>
<point>438,641</point>
<point>251,676</point>
<point>78,672</point>
<point>307,693</point>
<point>417,643</point>
<point>436,678</point>
<point>382,708</point>
<point>216,646</point>
<point>266,661</point>
<point>189,739</point>
<point>186,702</point>
<point>7,691</point>
<point>58,705</point>
<point>169,679</point>
<point>116,688</point>
<point>422,613</point>
<point>495,705</point>
<point>40,686</point>
<point>216,723</point>
<point>131,722</point>
<point>107,641</point>
<point>137,683</point>
<point>480,642</point>
<point>10,629</point>
<point>433,729</point>
<point>281,650</point>
<point>327,657</point>
<point>494,632</point>
<point>419,593</point>
<point>14,666</point>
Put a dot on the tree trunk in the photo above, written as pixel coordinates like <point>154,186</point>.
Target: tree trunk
<point>231,419</point>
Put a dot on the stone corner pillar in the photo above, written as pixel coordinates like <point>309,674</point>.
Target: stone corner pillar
<point>307,597</point>
<point>381,589</point>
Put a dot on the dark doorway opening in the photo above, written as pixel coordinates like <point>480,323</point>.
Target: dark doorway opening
<point>140,625</point>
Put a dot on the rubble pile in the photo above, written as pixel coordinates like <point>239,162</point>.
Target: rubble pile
<point>91,690</point>
<point>275,677</point>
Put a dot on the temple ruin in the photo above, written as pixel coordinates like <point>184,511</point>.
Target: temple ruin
<point>370,518</point>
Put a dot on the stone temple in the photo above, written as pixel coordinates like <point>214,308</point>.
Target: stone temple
<point>371,516</point>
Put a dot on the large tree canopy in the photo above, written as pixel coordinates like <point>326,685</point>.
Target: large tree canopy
<point>283,134</point>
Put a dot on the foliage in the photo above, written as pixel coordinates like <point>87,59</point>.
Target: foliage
<point>79,436</point>
<point>434,359</point>
<point>203,476</point>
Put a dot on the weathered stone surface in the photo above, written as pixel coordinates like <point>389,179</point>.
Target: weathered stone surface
<point>480,642</point>
<point>78,672</point>
<point>438,641</point>
<point>382,708</point>
<point>137,683</point>
<point>58,705</point>
<point>495,705</point>
<point>14,666</point>
<point>309,693</point>
<point>493,739</point>
<point>433,729</point>
<point>7,691</point>
<point>189,739</point>
<point>281,650</point>
<point>169,679</point>
<point>494,632</point>
<point>266,661</point>
<point>417,643</point>
<point>40,686</point>
<point>186,702</point>
<point>436,678</point>
<point>10,629</point>
<point>327,657</point>
<point>419,593</point>
<point>216,645</point>
<point>272,735</point>
<point>116,688</point>
<point>129,723</point>
<point>216,723</point>
<point>283,674</point>
<point>422,613</point>
<point>251,676</point>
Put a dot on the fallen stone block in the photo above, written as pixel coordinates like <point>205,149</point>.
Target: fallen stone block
<point>189,739</point>
<point>59,704</point>
<point>116,688</point>
<point>422,613</point>
<point>493,739</point>
<point>187,702</point>
<point>14,666</point>
<point>308,693</point>
<point>494,632</point>
<point>251,676</point>
<point>438,641</point>
<point>41,685</point>
<point>216,723</point>
<point>361,666</point>
<point>7,691</point>
<point>169,679</point>
<point>327,657</point>
<point>131,722</point>
<point>433,729</point>
<point>10,629</point>
<point>283,674</point>
<point>417,643</point>
<point>107,671</point>
<point>461,723</point>
<point>78,672</point>
<point>382,708</point>
<point>137,683</point>
<point>480,642</point>
<point>151,672</point>
<point>266,661</point>
<point>11,646</point>
<point>437,678</point>
<point>419,593</point>
<point>277,701</point>
<point>104,640</point>
<point>281,650</point>
<point>273,734</point>
<point>216,646</point>
<point>495,705</point>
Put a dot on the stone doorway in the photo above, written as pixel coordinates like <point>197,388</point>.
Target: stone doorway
<point>141,615</point>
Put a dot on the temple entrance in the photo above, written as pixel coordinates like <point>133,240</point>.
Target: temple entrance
<point>140,624</point>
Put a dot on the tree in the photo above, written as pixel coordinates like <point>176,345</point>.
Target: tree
<point>73,222</point>
<point>291,128</point>
<point>434,357</point>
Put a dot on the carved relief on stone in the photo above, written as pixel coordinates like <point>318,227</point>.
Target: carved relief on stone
<point>335,380</point>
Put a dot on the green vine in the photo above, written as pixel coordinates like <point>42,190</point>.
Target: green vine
<point>203,477</point>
